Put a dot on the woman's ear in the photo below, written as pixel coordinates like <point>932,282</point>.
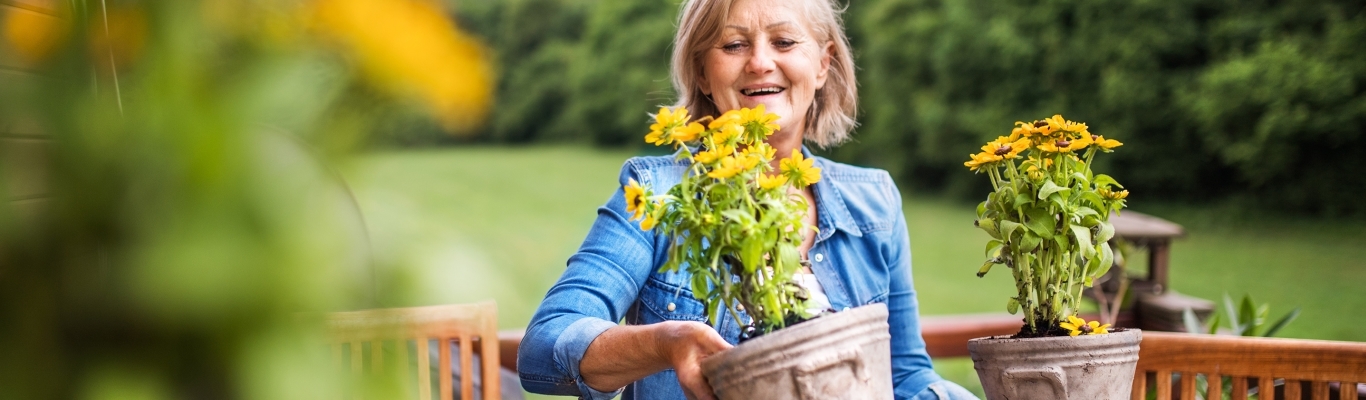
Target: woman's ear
<point>702,83</point>
<point>824,71</point>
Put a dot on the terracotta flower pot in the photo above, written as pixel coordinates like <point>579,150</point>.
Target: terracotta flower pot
<point>1054,368</point>
<point>847,355</point>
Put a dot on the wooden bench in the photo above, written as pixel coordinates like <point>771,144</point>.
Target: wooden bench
<point>1296,368</point>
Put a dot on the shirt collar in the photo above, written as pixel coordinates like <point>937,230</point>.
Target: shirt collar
<point>831,211</point>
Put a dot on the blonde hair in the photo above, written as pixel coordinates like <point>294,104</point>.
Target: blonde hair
<point>829,120</point>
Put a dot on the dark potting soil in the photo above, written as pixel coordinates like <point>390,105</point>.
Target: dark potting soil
<point>1024,332</point>
<point>752,331</point>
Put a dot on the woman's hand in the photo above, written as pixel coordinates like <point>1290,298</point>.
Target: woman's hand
<point>686,344</point>
<point>625,354</point>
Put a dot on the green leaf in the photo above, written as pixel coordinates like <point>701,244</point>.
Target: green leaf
<point>1214,324</point>
<point>993,249</point>
<point>986,267</point>
<point>981,208</point>
<point>1103,180</point>
<point>1105,233</point>
<point>1093,199</point>
<point>1029,241</point>
<point>752,253</point>
<point>1247,314</point>
<point>1083,236</point>
<point>1188,318</point>
<point>989,225</point>
<point>1049,188</point>
<point>1231,310</point>
<point>1008,228</point>
<point>1041,222</point>
<point>1022,199</point>
<point>1012,306</point>
<point>1281,323</point>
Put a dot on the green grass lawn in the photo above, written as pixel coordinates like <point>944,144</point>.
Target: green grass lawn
<point>473,223</point>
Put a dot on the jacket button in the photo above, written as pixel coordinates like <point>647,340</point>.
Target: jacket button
<point>672,307</point>
<point>820,257</point>
<point>739,307</point>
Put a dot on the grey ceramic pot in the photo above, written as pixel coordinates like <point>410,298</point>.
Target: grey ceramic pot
<point>847,355</point>
<point>1054,368</point>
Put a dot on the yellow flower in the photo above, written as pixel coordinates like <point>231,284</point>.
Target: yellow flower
<point>982,159</point>
<point>635,199</point>
<point>1103,143</point>
<point>767,181</point>
<point>801,171</point>
<point>1112,195</point>
<point>33,36</point>
<point>666,128</point>
<point>712,155</point>
<point>434,62</point>
<point>729,167</point>
<point>1006,147</point>
<point>1064,145</point>
<point>730,117</point>
<point>728,134</point>
<point>761,118</point>
<point>688,133</point>
<point>653,219</point>
<point>1077,326</point>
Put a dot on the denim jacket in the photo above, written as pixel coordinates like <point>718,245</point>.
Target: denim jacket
<point>861,256</point>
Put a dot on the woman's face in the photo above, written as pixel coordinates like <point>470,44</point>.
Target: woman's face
<point>766,55</point>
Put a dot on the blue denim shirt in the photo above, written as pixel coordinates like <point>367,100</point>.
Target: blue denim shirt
<point>861,256</point>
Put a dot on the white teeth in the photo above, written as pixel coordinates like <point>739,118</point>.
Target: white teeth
<point>763,91</point>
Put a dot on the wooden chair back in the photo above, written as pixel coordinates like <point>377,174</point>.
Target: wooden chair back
<point>474,327</point>
<point>1300,366</point>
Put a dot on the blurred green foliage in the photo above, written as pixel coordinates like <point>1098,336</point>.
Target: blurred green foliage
<point>187,213</point>
<point>1255,103</point>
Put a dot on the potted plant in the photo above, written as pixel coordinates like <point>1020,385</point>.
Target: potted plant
<point>1048,217</point>
<point>736,225</point>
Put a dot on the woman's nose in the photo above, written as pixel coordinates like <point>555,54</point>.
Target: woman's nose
<point>760,61</point>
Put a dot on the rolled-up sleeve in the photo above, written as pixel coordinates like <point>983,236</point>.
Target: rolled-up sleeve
<point>601,281</point>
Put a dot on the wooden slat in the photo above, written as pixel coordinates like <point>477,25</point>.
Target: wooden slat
<point>424,369</point>
<point>1318,360</point>
<point>466,367</point>
<point>1348,391</point>
<point>1239,388</point>
<point>1140,386</point>
<point>1187,385</point>
<point>356,357</point>
<point>444,348</point>
<point>1266,388</point>
<point>401,350</point>
<point>1320,390</point>
<point>491,364</point>
<point>1214,386</point>
<point>377,356</point>
<point>1292,389</point>
<point>1164,384</point>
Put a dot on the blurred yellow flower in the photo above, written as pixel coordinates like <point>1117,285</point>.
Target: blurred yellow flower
<point>33,36</point>
<point>1077,326</point>
<point>122,45</point>
<point>980,160</point>
<point>410,48</point>
<point>1103,143</point>
<point>728,134</point>
<point>635,198</point>
<point>770,181</point>
<point>728,167</point>
<point>653,218</point>
<point>688,133</point>
<point>729,117</point>
<point>712,155</point>
<point>1064,145</point>
<point>1112,195</point>
<point>800,170</point>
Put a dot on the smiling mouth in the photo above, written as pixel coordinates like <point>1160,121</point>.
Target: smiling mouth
<point>762,91</point>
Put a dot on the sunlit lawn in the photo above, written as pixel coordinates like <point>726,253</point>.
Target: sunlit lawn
<point>474,223</point>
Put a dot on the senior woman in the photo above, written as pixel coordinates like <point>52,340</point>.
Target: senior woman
<point>791,56</point>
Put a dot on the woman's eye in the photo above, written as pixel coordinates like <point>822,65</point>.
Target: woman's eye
<point>733,47</point>
<point>784,43</point>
